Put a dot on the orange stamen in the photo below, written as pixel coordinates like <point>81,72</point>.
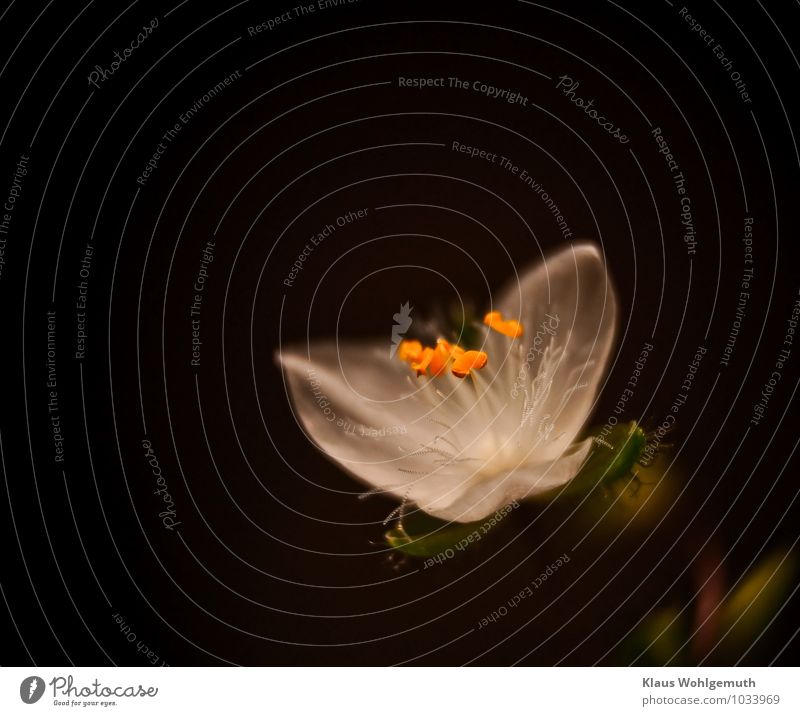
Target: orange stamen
<point>435,361</point>
<point>421,365</point>
<point>409,351</point>
<point>469,361</point>
<point>510,328</point>
<point>442,355</point>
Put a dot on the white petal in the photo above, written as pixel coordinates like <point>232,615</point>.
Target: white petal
<point>568,308</point>
<point>484,496</point>
<point>368,413</point>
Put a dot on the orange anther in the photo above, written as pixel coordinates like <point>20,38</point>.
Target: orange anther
<point>435,361</point>
<point>441,357</point>
<point>510,328</point>
<point>421,365</point>
<point>409,351</point>
<point>469,361</point>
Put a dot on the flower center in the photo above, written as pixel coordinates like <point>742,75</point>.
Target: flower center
<point>434,361</point>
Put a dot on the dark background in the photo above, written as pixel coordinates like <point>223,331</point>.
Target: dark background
<point>276,561</point>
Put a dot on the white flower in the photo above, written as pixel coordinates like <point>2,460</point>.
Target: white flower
<point>462,447</point>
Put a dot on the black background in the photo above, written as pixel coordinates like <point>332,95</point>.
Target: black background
<point>276,561</point>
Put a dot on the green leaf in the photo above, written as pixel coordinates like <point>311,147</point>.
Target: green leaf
<point>613,457</point>
<point>420,535</point>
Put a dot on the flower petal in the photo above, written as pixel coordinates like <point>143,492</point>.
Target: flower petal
<point>568,308</point>
<point>372,416</point>
<point>485,495</point>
